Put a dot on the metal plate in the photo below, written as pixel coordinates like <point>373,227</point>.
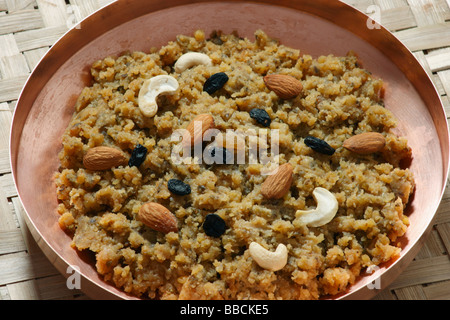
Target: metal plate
<point>316,27</point>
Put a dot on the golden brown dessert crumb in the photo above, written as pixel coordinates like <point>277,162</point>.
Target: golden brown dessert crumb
<point>338,100</point>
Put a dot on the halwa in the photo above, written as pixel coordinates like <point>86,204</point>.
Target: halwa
<point>222,211</point>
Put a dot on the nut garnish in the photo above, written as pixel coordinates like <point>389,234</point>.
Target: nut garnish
<point>158,217</point>
<point>326,209</point>
<point>285,86</point>
<point>266,259</point>
<point>151,89</point>
<point>278,183</point>
<point>103,158</point>
<point>365,143</point>
<point>196,129</point>
<point>190,59</point>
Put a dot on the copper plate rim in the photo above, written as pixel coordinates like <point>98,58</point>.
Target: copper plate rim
<point>58,53</point>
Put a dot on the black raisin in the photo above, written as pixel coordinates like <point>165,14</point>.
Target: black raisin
<point>319,145</point>
<point>138,156</point>
<point>215,82</point>
<point>215,37</point>
<point>214,225</point>
<point>261,116</point>
<point>218,155</point>
<point>178,187</point>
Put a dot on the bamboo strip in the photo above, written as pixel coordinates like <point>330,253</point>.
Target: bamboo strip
<point>446,102</point>
<point>390,4</point>
<point>83,8</point>
<point>102,3</point>
<point>7,185</point>
<point>444,232</point>
<point>443,212</point>
<point>411,293</point>
<point>385,295</point>
<point>30,244</point>
<point>426,37</point>
<point>3,6</point>
<point>12,105</point>
<point>4,106</point>
<point>5,123</point>
<point>438,291</point>
<point>53,12</point>
<point>8,45</point>
<point>439,59</point>
<point>13,66</point>
<point>11,241</point>
<point>26,267</point>
<point>11,88</point>
<point>34,56</point>
<point>54,287</point>
<point>25,290</point>
<point>432,247</point>
<point>420,56</point>
<point>444,76</point>
<point>4,161</point>
<point>438,84</point>
<point>398,18</point>
<point>424,271</point>
<point>361,5</point>
<point>7,221</point>
<point>44,37</point>
<point>4,293</point>
<point>20,21</point>
<point>428,12</point>
<point>17,5</point>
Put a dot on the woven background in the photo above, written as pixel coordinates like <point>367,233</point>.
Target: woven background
<point>29,27</point>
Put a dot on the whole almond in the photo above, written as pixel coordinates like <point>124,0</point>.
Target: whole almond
<point>365,143</point>
<point>285,86</point>
<point>103,158</point>
<point>196,129</point>
<point>158,217</point>
<point>277,184</point>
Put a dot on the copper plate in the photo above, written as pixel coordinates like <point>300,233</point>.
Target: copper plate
<point>313,26</point>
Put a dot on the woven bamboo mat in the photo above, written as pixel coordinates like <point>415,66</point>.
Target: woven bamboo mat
<point>29,27</point>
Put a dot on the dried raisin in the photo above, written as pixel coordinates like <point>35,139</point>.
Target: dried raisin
<point>215,82</point>
<point>214,225</point>
<point>261,116</point>
<point>218,155</point>
<point>319,145</point>
<point>138,156</point>
<point>178,187</point>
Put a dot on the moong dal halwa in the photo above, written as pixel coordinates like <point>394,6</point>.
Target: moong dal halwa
<point>195,230</point>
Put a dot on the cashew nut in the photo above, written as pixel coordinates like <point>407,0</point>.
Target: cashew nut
<point>151,89</point>
<point>191,59</point>
<point>272,261</point>
<point>327,207</point>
